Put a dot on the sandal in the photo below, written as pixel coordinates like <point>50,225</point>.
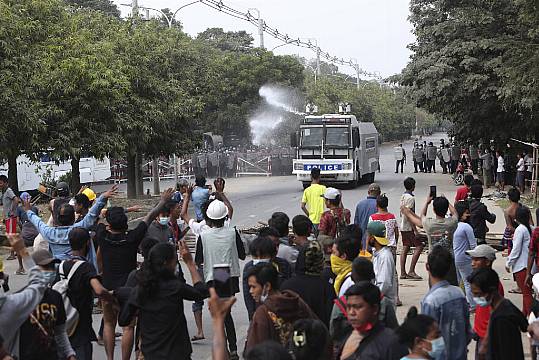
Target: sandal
<point>515,291</point>
<point>405,277</point>
<point>11,257</point>
<point>414,277</point>
<point>197,338</point>
<point>20,272</point>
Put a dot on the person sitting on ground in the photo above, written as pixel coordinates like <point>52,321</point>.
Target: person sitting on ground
<point>263,250</point>
<point>439,230</point>
<point>310,340</point>
<point>345,250</point>
<point>58,236</point>
<point>277,310</point>
<point>479,213</point>
<point>280,221</point>
<point>506,321</point>
<point>447,305</point>
<point>362,273</point>
<point>369,338</point>
<point>43,335</point>
<point>334,220</point>
<point>382,260</point>
<point>421,334</point>
<point>308,283</point>
<point>464,191</point>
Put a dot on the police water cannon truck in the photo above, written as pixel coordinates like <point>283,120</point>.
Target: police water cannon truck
<point>345,150</point>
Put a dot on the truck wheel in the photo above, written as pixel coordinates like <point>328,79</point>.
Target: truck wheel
<point>368,178</point>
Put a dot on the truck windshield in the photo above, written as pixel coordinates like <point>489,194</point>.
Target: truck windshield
<point>337,136</point>
<point>312,136</point>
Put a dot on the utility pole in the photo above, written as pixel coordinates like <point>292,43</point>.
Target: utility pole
<point>260,27</point>
<point>358,72</point>
<point>317,60</point>
<point>134,8</point>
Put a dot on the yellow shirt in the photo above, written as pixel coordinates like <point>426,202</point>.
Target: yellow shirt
<point>312,196</point>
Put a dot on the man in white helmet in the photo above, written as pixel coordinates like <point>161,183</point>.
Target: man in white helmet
<point>220,246</point>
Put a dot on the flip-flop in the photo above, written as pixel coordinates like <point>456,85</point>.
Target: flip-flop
<point>11,257</point>
<point>197,338</point>
<point>414,277</point>
<point>515,291</point>
<point>20,272</point>
<point>405,277</point>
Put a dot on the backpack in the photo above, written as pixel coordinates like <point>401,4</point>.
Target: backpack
<point>340,223</point>
<point>62,286</point>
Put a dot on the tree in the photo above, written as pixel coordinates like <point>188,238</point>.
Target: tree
<point>105,6</point>
<point>84,84</point>
<point>475,64</point>
<point>236,41</point>
<point>25,25</point>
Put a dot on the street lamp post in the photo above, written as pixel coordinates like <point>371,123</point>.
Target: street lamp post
<point>260,26</point>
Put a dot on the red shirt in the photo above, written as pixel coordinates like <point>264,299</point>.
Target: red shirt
<point>534,244</point>
<point>482,315</point>
<point>328,224</point>
<point>462,194</point>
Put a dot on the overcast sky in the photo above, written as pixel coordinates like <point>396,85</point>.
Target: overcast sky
<point>375,32</point>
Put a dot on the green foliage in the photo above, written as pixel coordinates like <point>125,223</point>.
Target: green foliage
<point>236,41</point>
<point>105,6</point>
<point>476,64</point>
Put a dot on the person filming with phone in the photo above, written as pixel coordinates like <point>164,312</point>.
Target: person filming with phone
<point>439,229</point>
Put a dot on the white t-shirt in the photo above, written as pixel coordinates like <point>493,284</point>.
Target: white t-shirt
<point>407,200</point>
<point>500,168</point>
<point>521,166</point>
<point>346,284</point>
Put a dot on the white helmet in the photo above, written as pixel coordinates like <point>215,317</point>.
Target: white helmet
<point>217,210</point>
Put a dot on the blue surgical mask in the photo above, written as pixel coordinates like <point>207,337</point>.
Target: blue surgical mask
<point>481,301</point>
<point>438,347</point>
<point>258,261</point>
<point>49,276</point>
<point>163,220</point>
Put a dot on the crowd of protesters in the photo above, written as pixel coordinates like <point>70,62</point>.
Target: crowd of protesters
<point>322,285</point>
<point>498,167</point>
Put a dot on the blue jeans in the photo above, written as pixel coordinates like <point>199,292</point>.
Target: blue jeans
<point>464,269</point>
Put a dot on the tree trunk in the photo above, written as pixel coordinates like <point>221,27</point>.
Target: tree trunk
<point>75,175</point>
<point>12,171</point>
<point>131,177</point>
<point>155,175</point>
<point>139,177</point>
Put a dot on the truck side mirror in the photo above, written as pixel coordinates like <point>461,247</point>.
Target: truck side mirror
<point>294,139</point>
<point>355,138</point>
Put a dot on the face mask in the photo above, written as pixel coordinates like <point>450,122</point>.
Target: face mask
<point>438,347</point>
<point>258,261</point>
<point>49,276</point>
<point>163,220</point>
<point>481,301</point>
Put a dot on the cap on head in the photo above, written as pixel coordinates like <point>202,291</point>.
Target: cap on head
<point>217,210</point>
<point>63,188</point>
<point>43,257</point>
<point>314,259</point>
<point>374,189</point>
<point>378,230</point>
<point>331,194</point>
<point>25,196</point>
<point>483,251</point>
<point>90,194</point>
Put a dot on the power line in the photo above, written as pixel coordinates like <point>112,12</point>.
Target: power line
<point>275,33</point>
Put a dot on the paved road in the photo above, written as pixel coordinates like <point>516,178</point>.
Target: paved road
<point>255,199</point>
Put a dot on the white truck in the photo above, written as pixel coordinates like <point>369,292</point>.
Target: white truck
<point>346,151</point>
<point>30,173</point>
